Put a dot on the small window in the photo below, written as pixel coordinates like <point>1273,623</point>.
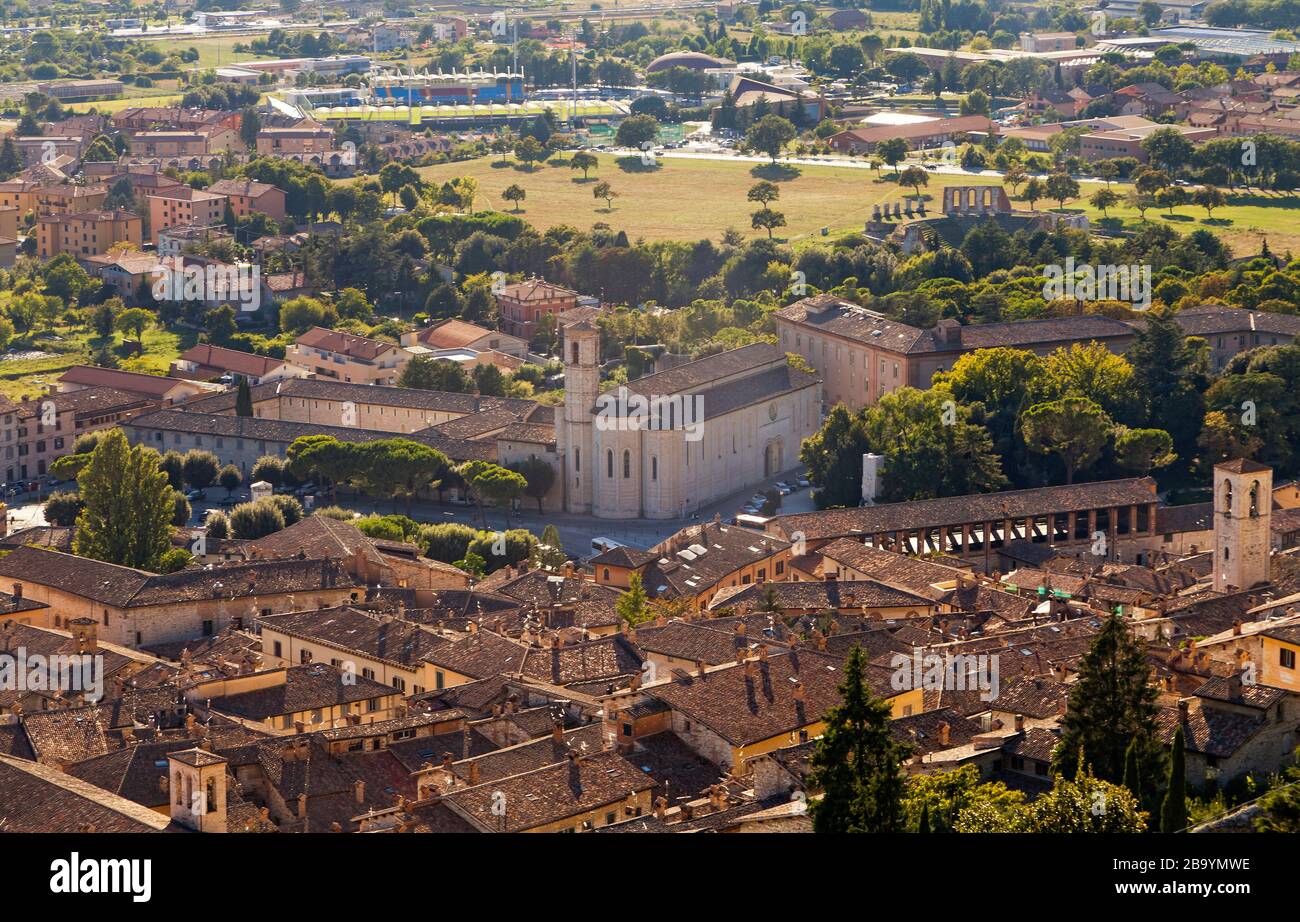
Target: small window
<point>1286,659</point>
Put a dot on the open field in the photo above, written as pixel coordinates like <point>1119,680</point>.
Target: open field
<point>1249,219</point>
<point>109,106</point>
<point>212,51</point>
<point>29,377</point>
<point>685,199</point>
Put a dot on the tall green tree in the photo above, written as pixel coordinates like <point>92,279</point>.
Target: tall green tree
<point>857,762</point>
<point>633,607</point>
<point>243,399</point>
<point>1073,428</point>
<point>1112,705</point>
<point>128,505</point>
<point>1173,811</point>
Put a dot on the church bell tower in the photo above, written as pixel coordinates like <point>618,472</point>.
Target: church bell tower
<point>1243,504</point>
<point>581,387</point>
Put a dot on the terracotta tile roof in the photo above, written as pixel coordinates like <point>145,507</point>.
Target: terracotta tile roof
<point>133,772</point>
<point>696,558</point>
<point>582,662</point>
<point>1038,697</point>
<point>244,363</point>
<point>305,688</point>
<point>244,187</point>
<point>1035,743</point>
<point>479,655</point>
<point>535,289</point>
<point>890,568</point>
<point>853,594</point>
<point>551,794</point>
<point>924,731</point>
<point>154,386</point>
<point>1214,319</point>
<point>39,798</point>
<point>747,706</point>
<point>367,395</point>
<point>349,344</point>
<point>66,735</point>
<point>844,318</point>
<point>958,510</point>
<point>452,333</point>
<point>529,756</point>
<point>1209,731</point>
<point>88,402</point>
<point>284,431</point>
<point>351,631</point>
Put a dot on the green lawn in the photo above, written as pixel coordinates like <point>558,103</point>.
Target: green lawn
<point>74,346</point>
<point>109,106</point>
<point>1243,225</point>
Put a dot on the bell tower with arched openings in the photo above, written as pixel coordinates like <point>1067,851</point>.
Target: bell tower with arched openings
<point>581,343</point>
<point>1243,504</point>
<point>197,789</point>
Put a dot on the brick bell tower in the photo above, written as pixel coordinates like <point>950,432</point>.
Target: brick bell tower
<point>1243,505</point>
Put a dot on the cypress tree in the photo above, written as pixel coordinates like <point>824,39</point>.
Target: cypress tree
<point>244,399</point>
<point>1132,776</point>
<point>856,762</point>
<point>924,824</point>
<point>1112,706</point>
<point>1173,812</point>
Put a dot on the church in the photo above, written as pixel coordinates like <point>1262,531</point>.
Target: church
<point>682,438</point>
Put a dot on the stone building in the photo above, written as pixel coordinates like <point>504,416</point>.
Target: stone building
<point>674,441</point>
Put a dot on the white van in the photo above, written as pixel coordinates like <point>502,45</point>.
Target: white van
<point>601,545</point>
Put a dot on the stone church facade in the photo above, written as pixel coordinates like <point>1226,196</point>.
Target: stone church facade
<point>677,440</point>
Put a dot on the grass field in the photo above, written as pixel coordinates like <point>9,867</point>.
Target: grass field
<point>212,51</point>
<point>73,346</point>
<point>685,199</point>
<point>108,106</point>
<point>1249,219</point>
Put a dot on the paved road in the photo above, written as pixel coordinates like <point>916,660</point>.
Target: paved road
<point>576,532</point>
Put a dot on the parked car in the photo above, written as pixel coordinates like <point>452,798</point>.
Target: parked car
<point>196,496</point>
<point>783,488</point>
<point>803,481</point>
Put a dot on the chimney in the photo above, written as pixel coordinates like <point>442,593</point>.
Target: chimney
<point>1236,629</point>
<point>798,692</point>
<point>1182,709</point>
<point>568,569</point>
<point>473,773</point>
<point>359,791</point>
<point>557,732</point>
<point>821,641</point>
<point>661,808</point>
<point>699,668</point>
<point>1020,723</point>
<point>1234,685</point>
<point>18,592</point>
<point>447,759</point>
<point>749,669</point>
<point>945,734</point>
<point>572,756</point>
